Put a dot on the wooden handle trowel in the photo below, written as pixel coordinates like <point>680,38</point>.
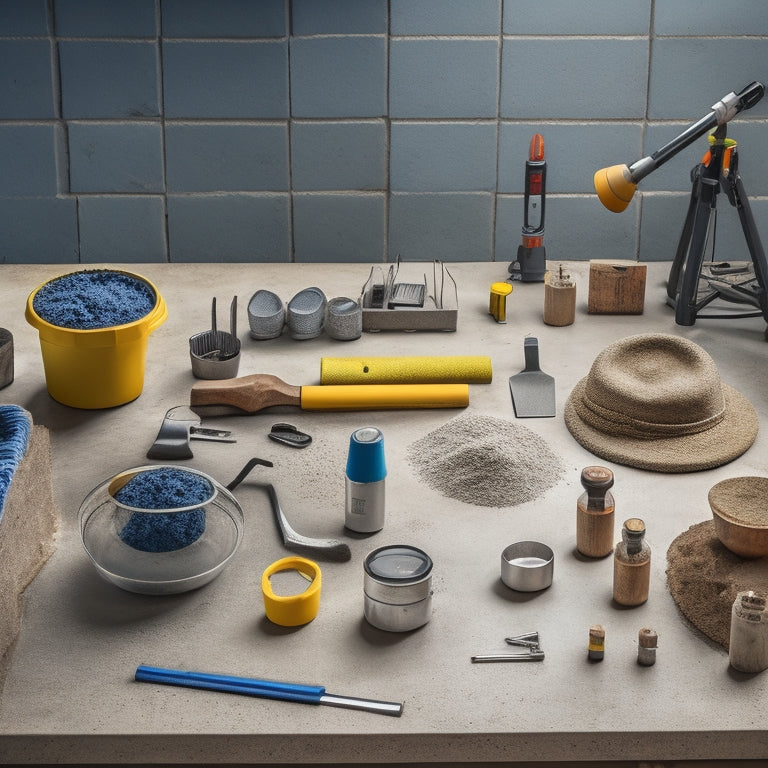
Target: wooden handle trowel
<point>250,394</point>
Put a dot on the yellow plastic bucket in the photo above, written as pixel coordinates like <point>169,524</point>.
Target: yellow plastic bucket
<point>96,368</point>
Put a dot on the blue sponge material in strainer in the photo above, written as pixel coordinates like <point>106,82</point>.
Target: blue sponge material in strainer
<point>164,488</point>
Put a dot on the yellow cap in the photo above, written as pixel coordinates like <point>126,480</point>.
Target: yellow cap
<point>292,610</point>
<point>614,187</point>
<point>498,301</point>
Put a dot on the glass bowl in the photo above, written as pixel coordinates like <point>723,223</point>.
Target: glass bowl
<point>160,551</point>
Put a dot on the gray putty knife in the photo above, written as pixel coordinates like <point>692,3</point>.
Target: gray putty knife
<point>533,391</point>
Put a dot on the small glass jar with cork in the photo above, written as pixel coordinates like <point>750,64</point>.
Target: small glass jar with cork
<point>595,512</point>
<point>632,564</point>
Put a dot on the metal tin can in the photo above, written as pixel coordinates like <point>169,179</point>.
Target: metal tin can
<point>365,505</point>
<point>398,588</point>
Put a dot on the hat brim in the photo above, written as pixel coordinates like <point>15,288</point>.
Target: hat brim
<point>688,453</point>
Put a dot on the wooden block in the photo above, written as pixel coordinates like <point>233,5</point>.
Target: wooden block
<point>616,287</point>
<point>559,299</point>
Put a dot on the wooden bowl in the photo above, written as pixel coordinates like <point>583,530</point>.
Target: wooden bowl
<point>740,511</point>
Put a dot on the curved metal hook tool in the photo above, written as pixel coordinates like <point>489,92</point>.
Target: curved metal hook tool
<point>331,549</point>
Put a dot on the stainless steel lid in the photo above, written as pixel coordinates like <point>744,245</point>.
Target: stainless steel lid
<point>398,574</point>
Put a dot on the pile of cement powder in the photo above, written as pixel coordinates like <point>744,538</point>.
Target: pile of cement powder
<point>485,461</point>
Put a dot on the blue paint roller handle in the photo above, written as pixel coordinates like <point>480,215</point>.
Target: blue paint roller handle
<point>249,686</point>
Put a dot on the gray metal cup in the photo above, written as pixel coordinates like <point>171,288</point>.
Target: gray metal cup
<point>527,566</point>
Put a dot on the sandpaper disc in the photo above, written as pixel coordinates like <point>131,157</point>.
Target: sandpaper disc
<point>704,578</point>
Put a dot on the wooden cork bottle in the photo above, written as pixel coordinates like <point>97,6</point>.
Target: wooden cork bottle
<point>595,512</point>
<point>632,565</point>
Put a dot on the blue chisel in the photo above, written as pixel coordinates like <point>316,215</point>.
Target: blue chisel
<point>265,689</point>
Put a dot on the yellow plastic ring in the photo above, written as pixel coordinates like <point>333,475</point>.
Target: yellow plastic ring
<point>292,610</point>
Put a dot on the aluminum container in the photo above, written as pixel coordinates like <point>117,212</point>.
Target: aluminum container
<point>527,566</point>
<point>398,588</point>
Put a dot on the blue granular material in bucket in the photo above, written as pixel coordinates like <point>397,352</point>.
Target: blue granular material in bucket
<point>93,299</point>
<point>164,489</point>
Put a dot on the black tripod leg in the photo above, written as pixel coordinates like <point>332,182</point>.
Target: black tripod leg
<point>683,245</point>
<point>754,244</point>
<point>686,304</point>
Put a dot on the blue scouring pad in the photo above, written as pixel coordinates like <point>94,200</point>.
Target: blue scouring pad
<point>93,299</point>
<point>167,488</point>
<point>15,430</point>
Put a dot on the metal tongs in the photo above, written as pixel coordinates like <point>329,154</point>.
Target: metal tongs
<point>529,641</point>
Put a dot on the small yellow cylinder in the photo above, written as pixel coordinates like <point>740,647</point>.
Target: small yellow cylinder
<point>498,301</point>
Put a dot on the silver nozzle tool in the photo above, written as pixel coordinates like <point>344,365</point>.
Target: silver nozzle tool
<point>529,641</point>
<point>179,426</point>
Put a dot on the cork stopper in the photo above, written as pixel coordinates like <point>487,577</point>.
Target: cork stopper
<point>751,605</point>
<point>647,638</point>
<point>596,648</point>
<point>597,478</point>
<point>632,534</point>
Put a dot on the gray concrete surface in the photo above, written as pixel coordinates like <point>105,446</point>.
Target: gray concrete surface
<point>69,694</point>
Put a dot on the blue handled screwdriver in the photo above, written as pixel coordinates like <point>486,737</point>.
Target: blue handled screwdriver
<point>266,689</point>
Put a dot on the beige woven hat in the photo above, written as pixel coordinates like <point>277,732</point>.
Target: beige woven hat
<point>655,401</point>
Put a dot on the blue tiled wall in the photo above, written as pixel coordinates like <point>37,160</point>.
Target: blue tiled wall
<point>356,130</point>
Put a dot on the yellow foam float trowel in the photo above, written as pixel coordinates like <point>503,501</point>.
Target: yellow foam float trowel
<point>533,391</point>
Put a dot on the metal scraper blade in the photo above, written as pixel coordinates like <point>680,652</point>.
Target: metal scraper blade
<point>532,390</point>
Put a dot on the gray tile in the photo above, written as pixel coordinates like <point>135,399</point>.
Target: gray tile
<point>204,157</point>
<point>573,151</point>
<point>445,17</point>
<point>26,80</point>
<point>339,17</point>
<point>443,78</point>
<point>95,18</point>
<point>338,77</point>
<point>443,157</point>
<point>339,156</point>
<point>675,174</point>
<point>336,227</point>
<point>693,17</point>
<point>29,158</point>
<point>122,229</point>
<point>449,227</point>
<point>23,18</point>
<point>688,75</point>
<point>103,79</point>
<point>115,157</point>
<point>225,79</point>
<point>231,228</point>
<point>664,216</point>
<point>577,228</point>
<point>661,225</point>
<point>564,17</point>
<point>39,230</point>
<point>224,18</point>
<point>557,78</point>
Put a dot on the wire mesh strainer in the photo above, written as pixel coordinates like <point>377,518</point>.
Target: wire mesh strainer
<point>215,354</point>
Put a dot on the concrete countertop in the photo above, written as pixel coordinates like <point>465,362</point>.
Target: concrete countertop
<point>69,696</point>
